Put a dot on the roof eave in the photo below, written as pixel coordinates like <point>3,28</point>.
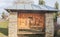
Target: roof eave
<point>28,10</point>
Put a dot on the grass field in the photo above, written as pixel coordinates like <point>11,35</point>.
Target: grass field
<point>4,29</point>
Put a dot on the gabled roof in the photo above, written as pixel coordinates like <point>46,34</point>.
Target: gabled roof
<point>31,7</point>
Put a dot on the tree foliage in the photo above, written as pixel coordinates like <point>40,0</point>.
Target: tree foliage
<point>3,15</point>
<point>41,2</point>
<point>56,5</point>
<point>56,13</point>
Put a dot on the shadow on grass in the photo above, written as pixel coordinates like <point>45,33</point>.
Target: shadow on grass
<point>31,35</point>
<point>4,31</point>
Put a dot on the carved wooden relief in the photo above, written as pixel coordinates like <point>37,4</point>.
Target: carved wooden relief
<point>34,21</point>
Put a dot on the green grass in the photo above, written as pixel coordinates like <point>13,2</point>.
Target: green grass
<point>4,29</point>
<point>4,24</point>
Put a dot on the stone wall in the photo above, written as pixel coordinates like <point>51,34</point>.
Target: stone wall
<point>49,24</point>
<point>12,32</point>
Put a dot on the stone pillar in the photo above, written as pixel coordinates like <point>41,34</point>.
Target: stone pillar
<point>49,24</point>
<point>12,32</point>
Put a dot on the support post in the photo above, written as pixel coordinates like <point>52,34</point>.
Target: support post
<point>12,30</point>
<point>49,24</point>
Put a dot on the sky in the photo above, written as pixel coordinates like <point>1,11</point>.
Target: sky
<point>6,3</point>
